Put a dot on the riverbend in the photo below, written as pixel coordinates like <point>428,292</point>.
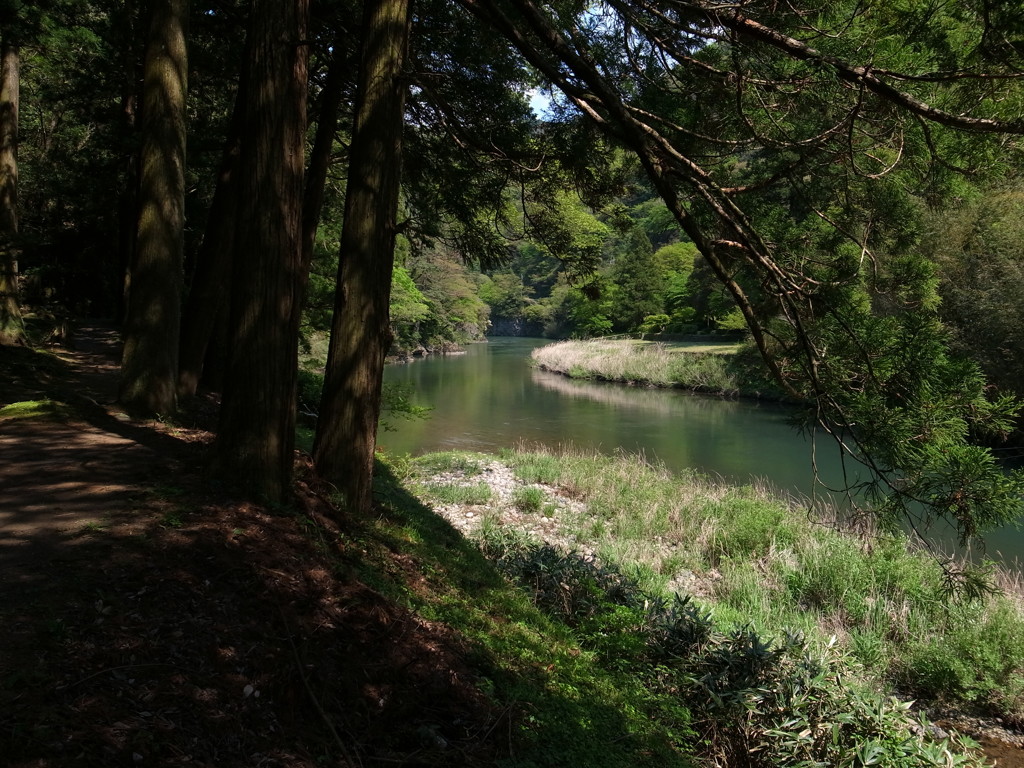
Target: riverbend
<point>492,398</point>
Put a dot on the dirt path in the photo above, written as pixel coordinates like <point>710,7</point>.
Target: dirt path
<point>91,467</point>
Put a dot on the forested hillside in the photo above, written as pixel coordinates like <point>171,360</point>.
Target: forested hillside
<point>840,180</point>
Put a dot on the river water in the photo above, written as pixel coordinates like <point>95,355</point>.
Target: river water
<point>490,398</point>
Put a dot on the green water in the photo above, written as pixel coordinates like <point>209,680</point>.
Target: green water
<point>490,398</point>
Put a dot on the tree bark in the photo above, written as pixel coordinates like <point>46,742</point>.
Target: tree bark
<point>128,197</point>
<point>211,285</point>
<point>320,157</point>
<point>256,438</point>
<point>149,366</point>
<point>12,328</point>
<point>360,334</point>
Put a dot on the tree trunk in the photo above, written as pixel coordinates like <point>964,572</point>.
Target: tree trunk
<point>12,329</point>
<point>128,196</point>
<point>360,334</point>
<point>256,439</point>
<point>149,366</point>
<point>320,157</point>
<point>211,285</point>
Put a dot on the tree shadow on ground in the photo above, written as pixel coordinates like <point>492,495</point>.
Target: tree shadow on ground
<point>224,639</point>
<point>559,719</point>
<point>227,635</point>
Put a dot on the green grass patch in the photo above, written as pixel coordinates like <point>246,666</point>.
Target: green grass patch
<point>757,561</point>
<point>51,410</point>
<point>529,500</point>
<point>468,464</point>
<point>456,493</point>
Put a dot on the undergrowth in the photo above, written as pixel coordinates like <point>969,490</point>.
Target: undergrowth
<point>750,701</point>
<point>607,665</point>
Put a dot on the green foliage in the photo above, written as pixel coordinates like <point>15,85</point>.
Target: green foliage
<point>456,315</point>
<point>408,308</point>
<point>749,701</point>
<point>979,659</point>
<point>638,282</point>
<point>589,308</point>
<point>653,324</point>
<point>978,247</point>
<point>506,295</point>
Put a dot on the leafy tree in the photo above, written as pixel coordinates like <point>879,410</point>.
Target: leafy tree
<point>677,261</point>
<point>979,248</point>
<point>408,308</point>
<point>506,295</point>
<point>457,314</point>
<point>638,282</point>
<point>782,140</point>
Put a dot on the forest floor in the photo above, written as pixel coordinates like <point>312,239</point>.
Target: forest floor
<point>148,618</point>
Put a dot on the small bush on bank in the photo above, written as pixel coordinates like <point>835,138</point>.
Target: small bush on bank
<point>529,500</point>
<point>978,658</point>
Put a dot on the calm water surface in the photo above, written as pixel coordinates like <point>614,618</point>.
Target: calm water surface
<point>490,398</point>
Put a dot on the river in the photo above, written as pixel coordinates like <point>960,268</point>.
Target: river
<point>490,398</point>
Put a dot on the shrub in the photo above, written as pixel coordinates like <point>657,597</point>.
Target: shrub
<point>980,658</point>
<point>749,529</point>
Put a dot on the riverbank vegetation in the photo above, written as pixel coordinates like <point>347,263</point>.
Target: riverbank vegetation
<point>708,367</point>
<point>718,601</point>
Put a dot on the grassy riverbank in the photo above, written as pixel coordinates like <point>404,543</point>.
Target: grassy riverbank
<point>713,368</point>
<point>788,630</point>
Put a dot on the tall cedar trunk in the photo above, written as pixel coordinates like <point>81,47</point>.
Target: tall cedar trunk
<point>320,157</point>
<point>360,334</point>
<point>256,439</point>
<point>12,329</point>
<point>128,196</point>
<point>149,366</point>
<point>211,285</point>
